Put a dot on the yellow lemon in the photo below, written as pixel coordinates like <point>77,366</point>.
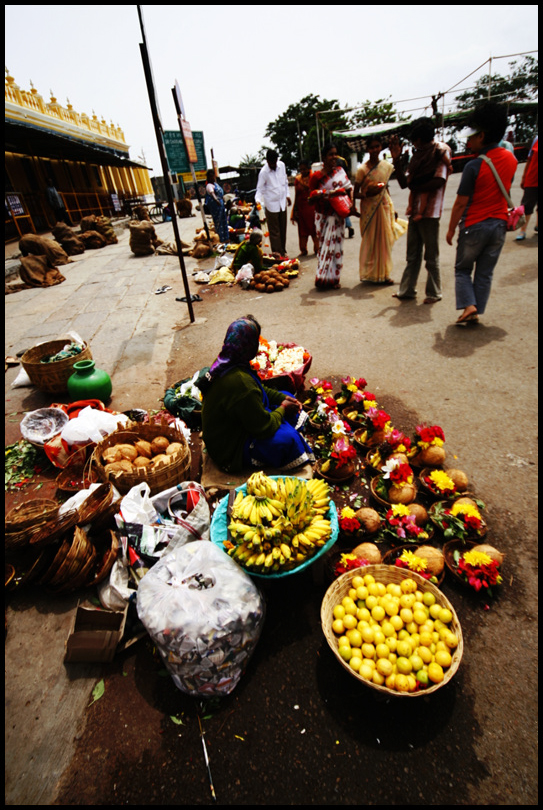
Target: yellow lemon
<point>404,665</point>
<point>349,621</point>
<point>356,652</point>
<point>355,637</point>
<point>363,614</point>
<point>435,672</point>
<point>357,581</point>
<point>373,589</point>
<point>368,650</point>
<point>451,640</point>
<point>422,677</point>
<point>443,658</point>
<point>377,678</point>
<point>366,671</point>
<point>416,662</point>
<point>338,612</point>
<point>396,622</point>
<point>352,593</point>
<point>425,639</point>
<point>406,615</point>
<point>419,616</point>
<point>390,680</point>
<point>378,613</point>
<point>407,600</point>
<point>355,663</point>
<point>351,609</point>
<point>394,589</point>
<point>362,592</point>
<point>371,602</point>
<point>381,589</point>
<point>345,652</point>
<point>384,667</point>
<point>445,615</point>
<point>388,629</point>
<point>404,649</point>
<point>425,654</point>
<point>435,610</point>
<point>378,636</point>
<point>428,598</point>
<point>382,650</point>
<point>368,634</point>
<point>391,643</point>
<point>338,627</point>
<point>401,683</point>
<point>392,608</point>
<point>408,585</point>
<point>412,682</point>
<point>368,579</point>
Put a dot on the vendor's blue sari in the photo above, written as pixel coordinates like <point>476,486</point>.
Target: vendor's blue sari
<point>285,450</point>
<point>218,213</point>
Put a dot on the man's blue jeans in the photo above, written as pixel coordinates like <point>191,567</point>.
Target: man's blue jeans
<point>479,247</point>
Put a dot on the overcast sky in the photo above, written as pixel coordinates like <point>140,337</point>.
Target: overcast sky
<point>239,67</point>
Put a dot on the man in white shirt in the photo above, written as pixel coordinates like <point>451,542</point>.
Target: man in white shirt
<point>272,192</point>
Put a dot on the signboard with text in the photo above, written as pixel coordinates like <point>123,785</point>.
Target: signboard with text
<point>177,155</point>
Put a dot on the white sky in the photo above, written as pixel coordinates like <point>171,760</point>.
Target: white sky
<point>239,67</point>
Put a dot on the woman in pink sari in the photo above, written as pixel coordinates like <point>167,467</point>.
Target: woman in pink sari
<point>379,227</point>
<point>331,193</point>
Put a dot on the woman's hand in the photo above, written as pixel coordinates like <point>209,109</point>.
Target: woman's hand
<point>395,147</point>
<point>291,405</point>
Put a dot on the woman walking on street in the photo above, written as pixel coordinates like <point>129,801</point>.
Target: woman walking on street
<point>303,214</point>
<point>379,227</point>
<point>331,193</point>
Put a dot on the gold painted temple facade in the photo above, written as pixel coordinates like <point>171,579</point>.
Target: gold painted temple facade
<point>87,159</point>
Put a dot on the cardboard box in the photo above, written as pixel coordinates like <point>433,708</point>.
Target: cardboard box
<point>95,633</point>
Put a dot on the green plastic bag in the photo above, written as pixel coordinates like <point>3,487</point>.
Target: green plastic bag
<point>187,408</point>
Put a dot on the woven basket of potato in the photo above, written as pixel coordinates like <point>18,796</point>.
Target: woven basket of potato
<point>155,453</point>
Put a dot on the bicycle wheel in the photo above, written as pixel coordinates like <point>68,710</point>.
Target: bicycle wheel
<point>156,214</point>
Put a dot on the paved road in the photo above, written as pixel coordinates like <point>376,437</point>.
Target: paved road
<point>477,743</point>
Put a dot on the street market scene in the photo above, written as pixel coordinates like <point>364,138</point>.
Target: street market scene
<point>261,548</point>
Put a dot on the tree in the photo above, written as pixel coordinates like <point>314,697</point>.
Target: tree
<point>520,85</point>
<point>294,132</point>
<point>381,111</point>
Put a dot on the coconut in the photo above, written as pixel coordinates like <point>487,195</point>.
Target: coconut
<point>161,458</point>
<point>435,561</point>
<point>492,552</point>
<point>466,500</point>
<point>369,518</point>
<point>401,457</point>
<point>402,494</point>
<point>159,445</point>
<point>369,552</point>
<point>376,438</point>
<point>460,479</point>
<point>127,451</point>
<point>421,515</point>
<point>142,461</point>
<point>432,456</point>
<point>173,448</point>
<point>144,448</point>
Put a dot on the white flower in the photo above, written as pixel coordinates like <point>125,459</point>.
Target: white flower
<point>338,428</point>
<point>390,465</point>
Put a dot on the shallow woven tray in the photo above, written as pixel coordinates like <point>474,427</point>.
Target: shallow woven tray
<point>387,573</point>
<point>51,377</point>
<point>30,513</point>
<point>165,476</point>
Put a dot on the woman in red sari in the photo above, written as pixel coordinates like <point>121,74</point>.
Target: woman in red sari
<point>303,214</point>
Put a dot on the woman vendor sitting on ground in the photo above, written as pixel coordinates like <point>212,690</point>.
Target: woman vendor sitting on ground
<point>244,423</point>
<point>249,252</point>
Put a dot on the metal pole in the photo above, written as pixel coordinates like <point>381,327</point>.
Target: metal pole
<point>200,203</point>
<point>318,136</point>
<point>489,75</point>
<point>163,160</point>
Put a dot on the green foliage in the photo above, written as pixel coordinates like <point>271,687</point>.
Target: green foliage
<point>520,85</point>
<point>368,113</point>
<point>294,132</point>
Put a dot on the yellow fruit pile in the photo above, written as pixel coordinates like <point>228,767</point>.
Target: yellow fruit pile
<point>278,524</point>
<point>394,635</point>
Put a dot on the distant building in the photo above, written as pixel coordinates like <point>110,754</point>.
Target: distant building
<point>87,159</point>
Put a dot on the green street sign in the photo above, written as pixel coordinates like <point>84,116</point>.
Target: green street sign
<point>177,156</point>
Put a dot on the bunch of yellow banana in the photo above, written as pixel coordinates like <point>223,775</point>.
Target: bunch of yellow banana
<point>261,486</point>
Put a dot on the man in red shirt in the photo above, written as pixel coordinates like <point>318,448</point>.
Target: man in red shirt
<point>530,184</point>
<point>481,211</point>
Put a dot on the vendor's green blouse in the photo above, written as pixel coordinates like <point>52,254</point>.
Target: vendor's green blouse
<point>233,411</point>
<point>248,253</point>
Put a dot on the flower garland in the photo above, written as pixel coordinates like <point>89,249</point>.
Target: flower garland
<point>479,570</point>
<point>274,359</point>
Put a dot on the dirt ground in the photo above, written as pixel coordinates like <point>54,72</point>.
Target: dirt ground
<point>298,729</point>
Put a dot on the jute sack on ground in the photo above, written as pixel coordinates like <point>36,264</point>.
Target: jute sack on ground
<point>68,239</point>
<point>37,271</point>
<point>143,238</point>
<point>33,245</point>
<point>104,226</point>
<point>93,240</point>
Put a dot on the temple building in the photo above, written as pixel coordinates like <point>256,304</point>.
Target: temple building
<point>87,160</point>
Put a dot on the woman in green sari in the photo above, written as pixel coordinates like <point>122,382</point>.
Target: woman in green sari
<point>379,226</point>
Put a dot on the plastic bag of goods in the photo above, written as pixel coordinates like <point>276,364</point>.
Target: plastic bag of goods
<point>205,616</point>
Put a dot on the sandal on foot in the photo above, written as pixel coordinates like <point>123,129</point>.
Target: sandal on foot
<point>431,300</point>
<point>471,317</point>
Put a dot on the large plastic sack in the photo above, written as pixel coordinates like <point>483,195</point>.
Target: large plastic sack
<point>204,614</point>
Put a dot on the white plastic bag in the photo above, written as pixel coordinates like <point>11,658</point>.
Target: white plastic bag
<point>205,615</point>
<point>91,425</point>
<point>245,273</point>
<point>137,507</point>
<point>114,592</point>
<point>193,521</point>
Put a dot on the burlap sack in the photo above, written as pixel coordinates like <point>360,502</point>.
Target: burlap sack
<point>88,223</point>
<point>68,239</point>
<point>92,240</point>
<point>143,238</point>
<point>33,245</point>
<point>184,208</point>
<point>104,226</point>
<point>37,271</point>
<point>141,212</point>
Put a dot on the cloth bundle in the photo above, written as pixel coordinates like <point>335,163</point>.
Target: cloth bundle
<point>204,614</point>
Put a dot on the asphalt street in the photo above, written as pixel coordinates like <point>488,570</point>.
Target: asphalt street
<point>297,730</point>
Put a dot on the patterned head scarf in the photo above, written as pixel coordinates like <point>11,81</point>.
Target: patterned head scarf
<point>239,347</point>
